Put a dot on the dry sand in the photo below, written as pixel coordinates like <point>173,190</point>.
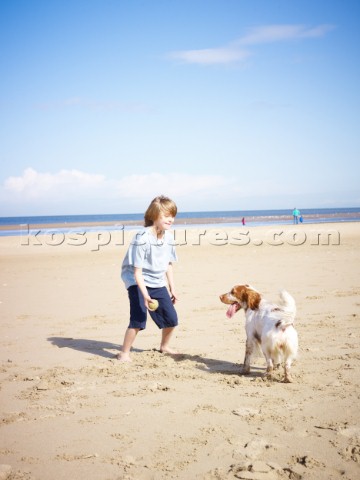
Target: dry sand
<point>70,410</point>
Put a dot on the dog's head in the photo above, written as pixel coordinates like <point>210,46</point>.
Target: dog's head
<point>241,296</point>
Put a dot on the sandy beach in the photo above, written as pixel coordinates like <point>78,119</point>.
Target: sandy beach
<point>70,410</point>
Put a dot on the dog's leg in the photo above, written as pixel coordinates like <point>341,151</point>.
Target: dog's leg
<point>269,368</point>
<point>248,352</point>
<point>277,362</point>
<point>288,378</point>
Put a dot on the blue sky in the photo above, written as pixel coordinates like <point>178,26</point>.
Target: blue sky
<point>220,104</point>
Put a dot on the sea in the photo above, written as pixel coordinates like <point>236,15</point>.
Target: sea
<point>63,223</point>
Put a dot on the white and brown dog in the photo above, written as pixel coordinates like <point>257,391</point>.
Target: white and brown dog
<point>267,325</point>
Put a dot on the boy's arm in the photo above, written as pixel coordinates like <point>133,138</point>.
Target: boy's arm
<point>170,279</point>
<point>141,284</point>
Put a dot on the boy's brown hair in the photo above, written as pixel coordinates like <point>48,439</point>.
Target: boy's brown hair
<point>158,205</point>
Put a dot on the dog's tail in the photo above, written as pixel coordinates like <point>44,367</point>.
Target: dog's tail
<point>287,309</point>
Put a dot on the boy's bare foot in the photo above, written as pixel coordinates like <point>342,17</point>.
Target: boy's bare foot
<point>168,350</point>
<point>123,357</point>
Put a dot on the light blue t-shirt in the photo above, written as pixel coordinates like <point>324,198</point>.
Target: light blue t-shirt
<point>151,255</point>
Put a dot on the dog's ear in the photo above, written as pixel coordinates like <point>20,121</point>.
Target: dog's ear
<point>253,299</point>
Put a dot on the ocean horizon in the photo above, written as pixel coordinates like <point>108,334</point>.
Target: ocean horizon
<point>17,225</point>
<point>125,217</point>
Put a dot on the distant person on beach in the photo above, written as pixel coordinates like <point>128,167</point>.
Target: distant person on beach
<point>243,220</point>
<point>296,215</point>
<point>148,275</point>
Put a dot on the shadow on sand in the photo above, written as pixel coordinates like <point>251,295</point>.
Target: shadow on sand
<point>88,346</point>
<point>96,347</point>
<point>212,365</point>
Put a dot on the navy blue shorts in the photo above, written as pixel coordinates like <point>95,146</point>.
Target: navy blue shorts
<point>165,315</point>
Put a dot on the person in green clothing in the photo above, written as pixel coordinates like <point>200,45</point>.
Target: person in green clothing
<point>296,215</point>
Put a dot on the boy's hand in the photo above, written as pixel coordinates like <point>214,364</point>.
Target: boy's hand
<point>174,298</point>
<point>147,300</point>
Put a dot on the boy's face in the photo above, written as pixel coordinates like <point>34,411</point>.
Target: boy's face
<point>165,221</point>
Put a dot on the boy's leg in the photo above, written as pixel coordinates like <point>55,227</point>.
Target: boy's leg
<point>165,317</point>
<point>130,335</point>
<point>137,322</point>
<point>165,340</point>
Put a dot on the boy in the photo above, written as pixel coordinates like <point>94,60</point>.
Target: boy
<point>146,272</point>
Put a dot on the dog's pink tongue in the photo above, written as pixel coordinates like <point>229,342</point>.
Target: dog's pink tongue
<point>231,310</point>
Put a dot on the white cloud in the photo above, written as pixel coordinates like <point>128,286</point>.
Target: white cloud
<point>212,56</point>
<point>33,184</point>
<point>74,191</point>
<point>236,52</point>
<point>280,33</point>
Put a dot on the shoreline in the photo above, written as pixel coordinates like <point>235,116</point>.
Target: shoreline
<point>250,221</point>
